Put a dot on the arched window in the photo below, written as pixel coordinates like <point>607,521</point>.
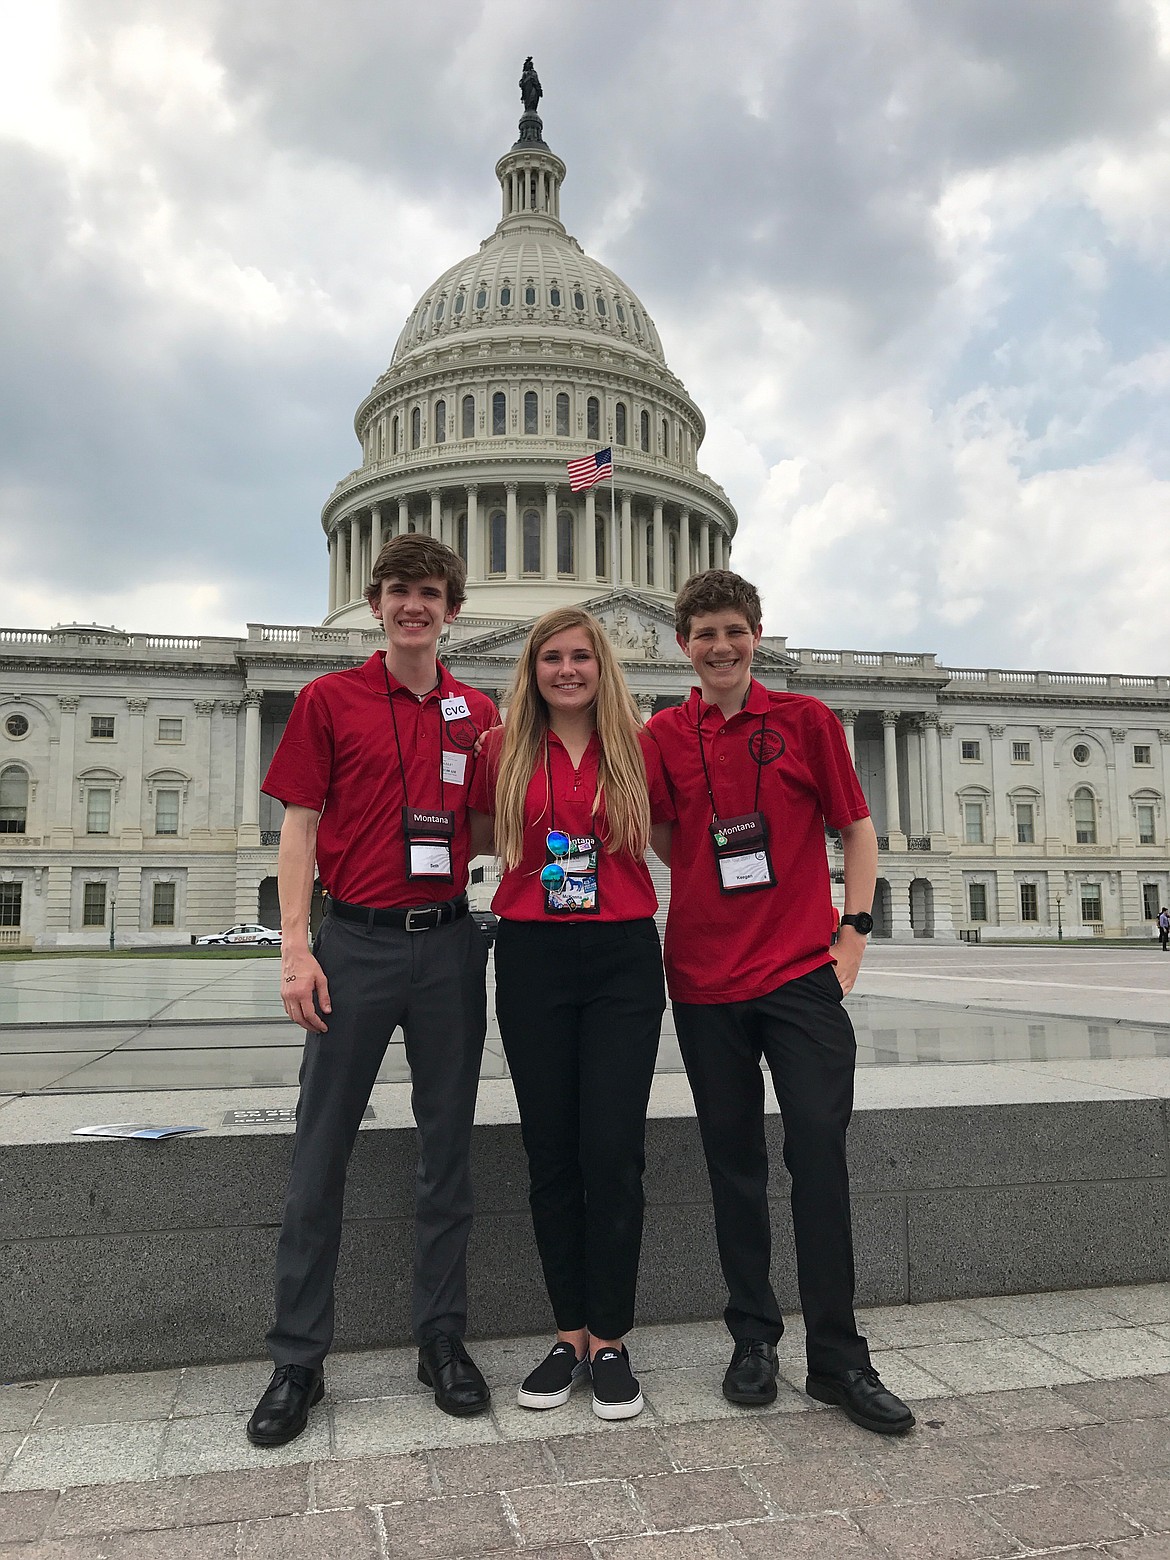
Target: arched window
<point>566,534</point>
<point>497,542</point>
<point>531,532</point>
<point>530,297</point>
<point>619,422</point>
<point>644,431</point>
<point>601,306</point>
<point>579,301</point>
<point>593,418</point>
<point>599,547</point>
<point>422,320</point>
<point>394,437</point>
<point>469,417</point>
<point>531,412</point>
<point>460,303</point>
<point>617,304</point>
<point>13,800</point>
<point>461,536</point>
<point>481,298</point>
<point>499,412</point>
<point>554,297</point>
<point>382,439</point>
<point>439,308</point>
<point>415,428</point>
<point>440,422</point>
<point>562,416</point>
<point>1085,815</point>
<point>505,297</point>
<point>665,437</point>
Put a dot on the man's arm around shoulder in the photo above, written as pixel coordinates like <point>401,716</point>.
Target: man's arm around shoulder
<point>301,977</point>
<point>860,852</point>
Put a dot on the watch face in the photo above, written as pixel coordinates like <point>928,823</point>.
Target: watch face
<point>862,921</point>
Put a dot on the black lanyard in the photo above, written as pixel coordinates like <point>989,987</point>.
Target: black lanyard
<point>759,761</point>
<point>398,739</point>
<point>548,787</point>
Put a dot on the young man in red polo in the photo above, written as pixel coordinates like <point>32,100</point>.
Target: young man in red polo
<point>373,770</point>
<point>756,779</point>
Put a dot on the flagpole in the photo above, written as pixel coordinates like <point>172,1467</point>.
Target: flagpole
<point>615,541</point>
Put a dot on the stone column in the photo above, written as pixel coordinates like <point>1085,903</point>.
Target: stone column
<point>436,526</point>
<point>1124,825</point>
<point>704,544</point>
<point>376,537</point>
<point>550,531</point>
<point>250,794</point>
<point>849,721</point>
<point>1002,823</point>
<point>627,526</point>
<point>590,570</point>
<point>893,817</point>
<point>199,807</point>
<point>1052,804</point>
<point>475,563</point>
<point>66,748</point>
<point>403,516</point>
<point>934,823</point>
<point>333,571</point>
<point>684,545</point>
<point>914,777</point>
<point>131,830</point>
<point>641,553</point>
<point>223,814</point>
<point>513,532</point>
<point>355,558</point>
<point>659,581</point>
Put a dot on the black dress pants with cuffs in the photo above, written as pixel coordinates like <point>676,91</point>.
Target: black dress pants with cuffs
<point>432,984</point>
<point>806,1037</point>
<point>580,1007</point>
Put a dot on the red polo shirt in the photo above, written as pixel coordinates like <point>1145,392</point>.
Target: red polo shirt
<point>338,755</point>
<point>733,947</point>
<point>624,889</point>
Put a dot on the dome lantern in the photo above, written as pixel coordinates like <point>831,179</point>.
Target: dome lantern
<point>530,174</point>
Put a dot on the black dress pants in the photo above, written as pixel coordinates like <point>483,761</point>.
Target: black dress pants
<point>580,1007</point>
<point>806,1037</point>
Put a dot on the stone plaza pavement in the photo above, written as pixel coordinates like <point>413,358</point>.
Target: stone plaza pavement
<point>1043,1428</point>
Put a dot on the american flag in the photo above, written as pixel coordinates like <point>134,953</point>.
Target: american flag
<point>589,469</point>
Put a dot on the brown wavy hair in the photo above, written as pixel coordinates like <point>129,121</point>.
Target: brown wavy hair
<point>621,776</point>
<point>415,557</point>
<point>716,590</point>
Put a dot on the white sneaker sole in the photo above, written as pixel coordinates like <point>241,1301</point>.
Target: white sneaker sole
<point>628,1410</point>
<point>542,1400</point>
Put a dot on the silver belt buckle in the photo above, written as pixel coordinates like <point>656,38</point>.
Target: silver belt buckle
<point>422,925</point>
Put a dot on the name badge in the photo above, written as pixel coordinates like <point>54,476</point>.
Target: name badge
<point>570,878</point>
<point>741,853</point>
<point>454,768</point>
<point>428,843</point>
<point>455,709</point>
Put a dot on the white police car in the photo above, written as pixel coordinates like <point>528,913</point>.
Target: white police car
<point>242,936</point>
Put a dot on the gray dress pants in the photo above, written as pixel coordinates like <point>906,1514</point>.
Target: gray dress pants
<point>432,984</point>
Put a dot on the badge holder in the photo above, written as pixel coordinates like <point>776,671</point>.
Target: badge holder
<point>569,879</point>
<point>428,844</point>
<point>742,857</point>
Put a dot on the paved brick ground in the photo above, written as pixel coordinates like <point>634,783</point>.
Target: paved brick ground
<point>1079,1464</point>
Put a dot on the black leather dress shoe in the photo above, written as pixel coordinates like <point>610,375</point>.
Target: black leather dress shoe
<point>283,1412</point>
<point>863,1397</point>
<point>751,1376</point>
<point>443,1363</point>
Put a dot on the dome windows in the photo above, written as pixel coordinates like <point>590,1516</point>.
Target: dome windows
<point>593,418</point>
<point>415,428</point>
<point>579,301</point>
<point>665,437</point>
<point>531,412</point>
<point>619,422</point>
<point>499,413</point>
<point>562,416</point>
<point>602,307</point>
<point>497,542</point>
<point>481,298</point>
<point>440,422</point>
<point>423,317</point>
<point>531,535</point>
<point>395,437</point>
<point>621,313</point>
<point>554,297</point>
<point>566,536</point>
<point>636,320</point>
<point>644,431</point>
<point>469,417</point>
<point>460,304</point>
<point>530,297</point>
<point>440,308</point>
<point>505,296</point>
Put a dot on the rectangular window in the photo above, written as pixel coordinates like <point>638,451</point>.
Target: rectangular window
<point>1151,901</point>
<point>101,727</point>
<point>1025,823</point>
<point>162,905</point>
<point>969,751</point>
<point>97,811</point>
<point>1142,754</point>
<point>1029,902</point>
<point>1145,823</point>
<point>166,812</point>
<point>1021,752</point>
<point>10,894</point>
<point>973,823</point>
<point>93,905</point>
<point>170,728</point>
<point>1091,902</point>
<point>977,900</point>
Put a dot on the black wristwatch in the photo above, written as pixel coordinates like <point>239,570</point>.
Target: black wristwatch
<point>861,922</point>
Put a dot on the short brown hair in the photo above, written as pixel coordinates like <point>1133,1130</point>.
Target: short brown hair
<point>716,590</point>
<point>417,557</point>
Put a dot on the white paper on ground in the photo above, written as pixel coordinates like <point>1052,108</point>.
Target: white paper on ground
<point>133,1129</point>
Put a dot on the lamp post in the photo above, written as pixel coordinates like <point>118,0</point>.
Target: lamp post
<point>113,913</point>
<point>1059,923</point>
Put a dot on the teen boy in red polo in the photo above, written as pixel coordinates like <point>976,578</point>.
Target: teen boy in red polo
<point>756,778</point>
<point>373,769</point>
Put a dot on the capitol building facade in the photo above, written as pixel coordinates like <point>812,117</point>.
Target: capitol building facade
<point>1007,803</point>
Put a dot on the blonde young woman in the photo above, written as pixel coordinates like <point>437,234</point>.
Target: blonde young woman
<point>573,787</point>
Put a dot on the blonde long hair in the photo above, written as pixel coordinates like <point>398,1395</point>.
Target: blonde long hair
<point>621,776</point>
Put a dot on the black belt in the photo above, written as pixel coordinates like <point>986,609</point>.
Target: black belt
<point>419,918</point>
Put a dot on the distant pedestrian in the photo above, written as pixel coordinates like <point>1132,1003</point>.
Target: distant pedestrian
<point>1164,926</point>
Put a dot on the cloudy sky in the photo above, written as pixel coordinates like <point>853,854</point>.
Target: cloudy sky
<point>909,256</point>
